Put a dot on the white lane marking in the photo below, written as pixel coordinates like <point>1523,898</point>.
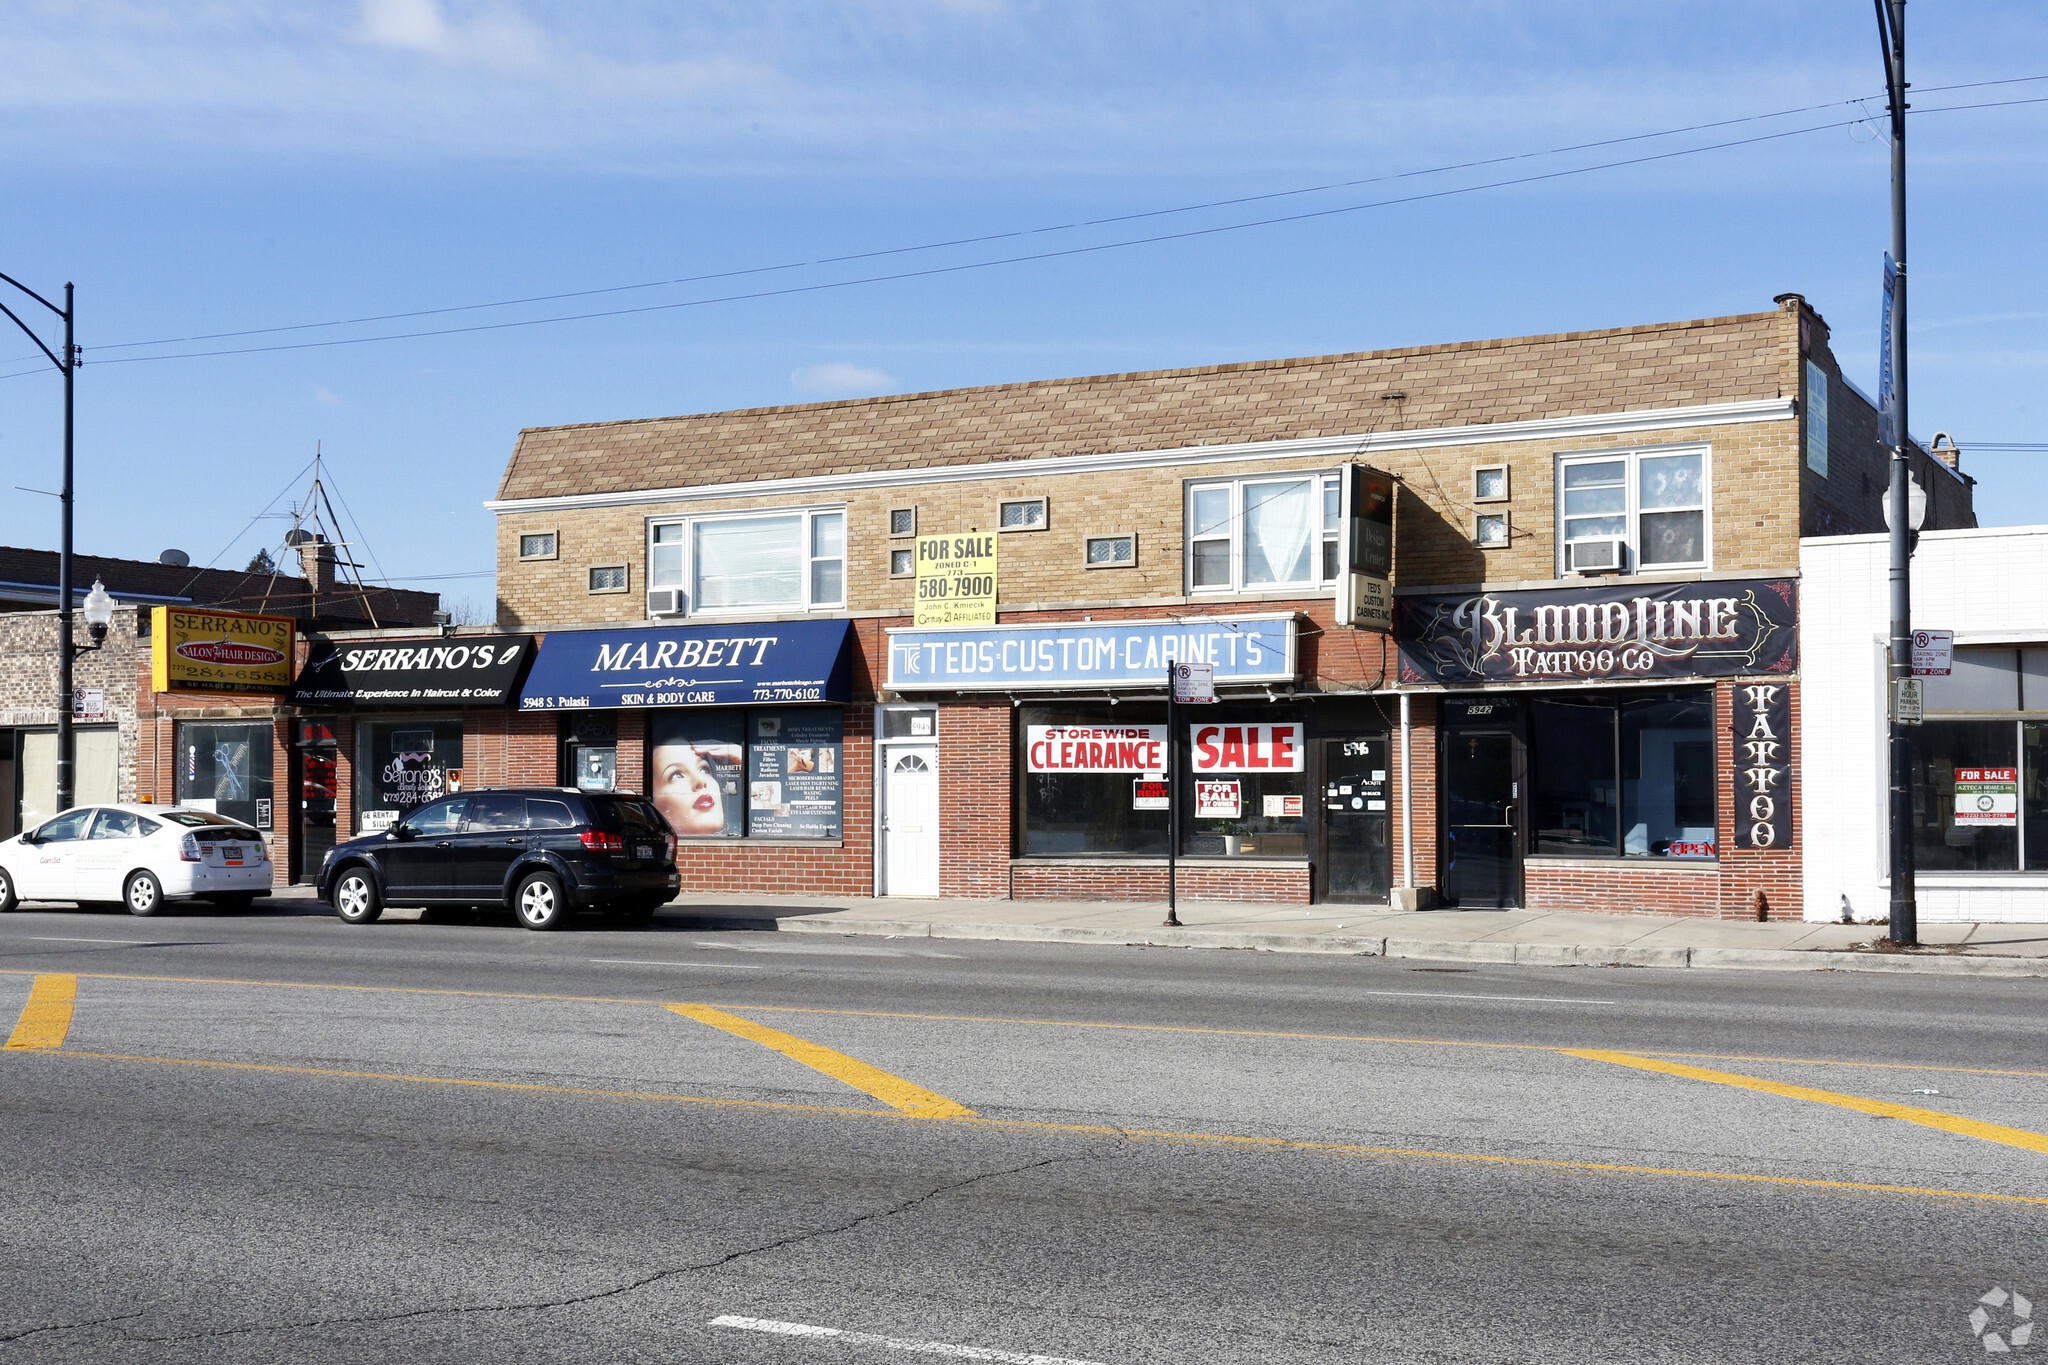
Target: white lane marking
<point>1525,999</point>
<point>53,938</point>
<point>700,966</point>
<point>841,950</point>
<point>930,1348</point>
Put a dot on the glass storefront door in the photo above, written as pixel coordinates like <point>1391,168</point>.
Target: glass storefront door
<point>1482,811</point>
<point>1357,853</point>
<point>314,789</point>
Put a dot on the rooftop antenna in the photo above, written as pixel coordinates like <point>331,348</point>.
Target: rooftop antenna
<point>317,513</point>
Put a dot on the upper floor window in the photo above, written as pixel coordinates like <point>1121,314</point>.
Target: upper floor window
<point>1644,509</point>
<point>537,545</point>
<point>765,561</point>
<point>1255,534</point>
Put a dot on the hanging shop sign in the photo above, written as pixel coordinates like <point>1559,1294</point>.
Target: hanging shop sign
<point>471,670</point>
<point>1095,749</point>
<point>1242,649</point>
<point>956,580</point>
<point>1987,797</point>
<point>1763,766</point>
<point>724,665</point>
<point>219,651</point>
<point>1245,748</point>
<point>1612,633</point>
<point>1365,590</point>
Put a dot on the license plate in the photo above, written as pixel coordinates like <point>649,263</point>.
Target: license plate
<point>643,851</point>
<point>231,856</point>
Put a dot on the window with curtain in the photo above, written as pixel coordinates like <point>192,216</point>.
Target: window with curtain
<point>1258,534</point>
<point>782,561</point>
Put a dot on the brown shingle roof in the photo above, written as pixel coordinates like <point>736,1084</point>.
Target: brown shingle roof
<point>1514,379</point>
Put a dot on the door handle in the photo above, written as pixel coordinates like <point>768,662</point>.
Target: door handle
<point>444,843</point>
<point>516,839</point>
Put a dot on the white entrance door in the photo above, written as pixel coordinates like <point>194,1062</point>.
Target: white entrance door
<point>910,822</point>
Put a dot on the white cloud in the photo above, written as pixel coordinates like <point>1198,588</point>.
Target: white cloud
<point>414,24</point>
<point>323,394</point>
<point>838,379</point>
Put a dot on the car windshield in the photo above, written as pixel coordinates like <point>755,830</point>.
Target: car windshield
<point>194,819</point>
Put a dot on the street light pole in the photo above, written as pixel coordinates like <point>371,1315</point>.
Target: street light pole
<point>1905,913</point>
<point>67,366</point>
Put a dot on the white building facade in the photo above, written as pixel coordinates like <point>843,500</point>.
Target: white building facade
<point>1980,760</point>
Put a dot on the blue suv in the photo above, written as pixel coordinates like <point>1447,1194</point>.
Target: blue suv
<point>542,852</point>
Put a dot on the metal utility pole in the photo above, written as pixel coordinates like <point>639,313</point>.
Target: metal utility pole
<point>68,367</point>
<point>1905,914</point>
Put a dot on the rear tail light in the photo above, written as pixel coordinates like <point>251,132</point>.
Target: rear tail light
<point>600,842</point>
<point>671,838</point>
<point>188,850</point>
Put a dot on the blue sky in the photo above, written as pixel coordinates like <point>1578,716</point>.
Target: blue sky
<point>221,165</point>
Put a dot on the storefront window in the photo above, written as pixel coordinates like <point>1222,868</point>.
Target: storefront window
<point>401,765</point>
<point>1247,791</point>
<point>2034,791</point>
<point>1080,779</point>
<point>1633,775</point>
<point>728,773</point>
<point>226,768</point>
<point>1966,795</point>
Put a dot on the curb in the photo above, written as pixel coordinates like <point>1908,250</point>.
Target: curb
<point>1423,950</point>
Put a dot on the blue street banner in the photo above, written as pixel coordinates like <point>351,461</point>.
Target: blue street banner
<point>721,665</point>
<point>1887,391</point>
<point>1242,649</point>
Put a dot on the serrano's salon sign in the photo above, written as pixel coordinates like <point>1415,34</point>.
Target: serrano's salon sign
<point>1611,633</point>
<point>219,651</point>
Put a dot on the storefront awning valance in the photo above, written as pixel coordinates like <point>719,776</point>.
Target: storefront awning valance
<point>451,670</point>
<point>721,665</point>
<point>1100,654</point>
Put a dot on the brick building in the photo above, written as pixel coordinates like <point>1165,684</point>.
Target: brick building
<point>1595,568</point>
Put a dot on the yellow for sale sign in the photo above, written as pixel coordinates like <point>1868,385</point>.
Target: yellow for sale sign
<point>219,651</point>
<point>956,580</point>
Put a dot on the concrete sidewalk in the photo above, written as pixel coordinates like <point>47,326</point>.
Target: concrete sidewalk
<point>1547,938</point>
<point>1529,937</point>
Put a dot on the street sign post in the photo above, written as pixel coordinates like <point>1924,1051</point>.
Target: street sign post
<point>1933,653</point>
<point>1194,684</point>
<point>1909,706</point>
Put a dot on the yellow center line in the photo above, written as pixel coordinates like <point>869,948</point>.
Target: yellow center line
<point>46,1018</point>
<point>1088,1130</point>
<point>1928,1118</point>
<point>1001,1019</point>
<point>894,1091</point>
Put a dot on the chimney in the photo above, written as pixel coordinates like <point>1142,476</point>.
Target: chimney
<point>1945,450</point>
<point>316,563</point>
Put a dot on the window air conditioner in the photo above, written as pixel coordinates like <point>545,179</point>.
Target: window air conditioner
<point>1603,554</point>
<point>665,602</point>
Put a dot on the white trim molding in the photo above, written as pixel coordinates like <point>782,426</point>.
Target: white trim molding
<point>1316,447</point>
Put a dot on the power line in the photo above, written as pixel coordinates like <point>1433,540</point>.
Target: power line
<point>1009,260</point>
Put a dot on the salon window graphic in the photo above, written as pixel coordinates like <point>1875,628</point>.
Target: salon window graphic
<point>760,774</point>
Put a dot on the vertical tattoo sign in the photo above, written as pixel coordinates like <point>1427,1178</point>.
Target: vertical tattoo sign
<point>1763,765</point>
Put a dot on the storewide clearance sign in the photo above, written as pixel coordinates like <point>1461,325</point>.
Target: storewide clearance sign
<point>956,580</point>
<point>1095,748</point>
<point>219,651</point>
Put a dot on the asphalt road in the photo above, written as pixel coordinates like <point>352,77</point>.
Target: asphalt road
<point>276,1138</point>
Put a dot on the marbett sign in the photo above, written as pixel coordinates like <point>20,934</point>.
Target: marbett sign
<point>723,665</point>
<point>1616,632</point>
<point>1244,649</point>
<point>219,651</point>
<point>469,670</point>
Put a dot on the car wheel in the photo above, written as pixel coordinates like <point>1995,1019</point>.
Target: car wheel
<point>7,897</point>
<point>539,902</point>
<point>236,904</point>
<point>143,894</point>
<point>355,897</point>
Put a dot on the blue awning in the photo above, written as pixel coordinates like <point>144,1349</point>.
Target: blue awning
<point>751,663</point>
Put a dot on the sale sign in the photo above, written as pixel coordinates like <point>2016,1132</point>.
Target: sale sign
<point>1987,796</point>
<point>1218,800</point>
<point>1095,748</point>
<point>1245,748</point>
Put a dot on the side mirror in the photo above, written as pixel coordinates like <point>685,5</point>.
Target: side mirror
<point>401,833</point>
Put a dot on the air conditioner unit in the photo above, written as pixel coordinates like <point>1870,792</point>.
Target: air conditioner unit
<point>1602,554</point>
<point>665,602</point>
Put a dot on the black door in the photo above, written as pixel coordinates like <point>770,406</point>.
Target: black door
<point>491,840</point>
<point>1357,852</point>
<point>312,797</point>
<point>1482,825</point>
<point>417,862</point>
